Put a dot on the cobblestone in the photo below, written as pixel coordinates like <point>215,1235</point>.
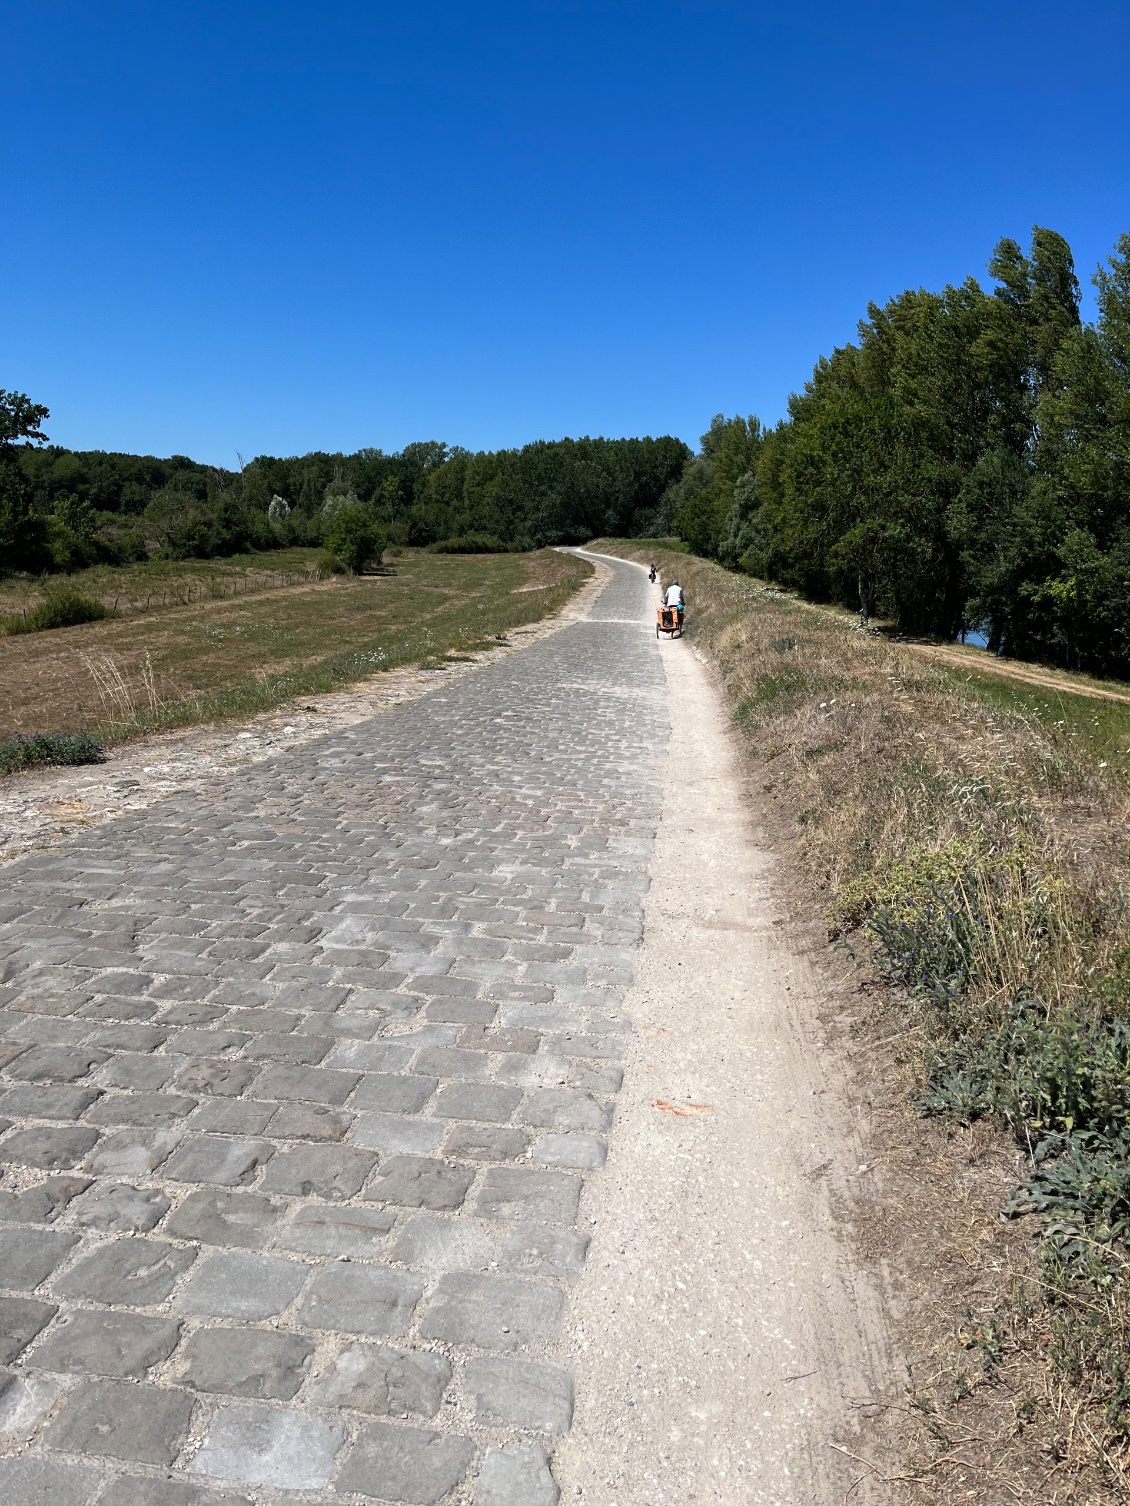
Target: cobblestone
<point>321,1056</point>
<point>246,1362</point>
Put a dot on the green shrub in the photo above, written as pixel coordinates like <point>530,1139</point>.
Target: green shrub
<point>20,752</point>
<point>60,608</point>
<point>354,538</point>
<point>475,543</point>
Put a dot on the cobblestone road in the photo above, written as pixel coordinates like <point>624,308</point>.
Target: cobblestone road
<point>301,1086</point>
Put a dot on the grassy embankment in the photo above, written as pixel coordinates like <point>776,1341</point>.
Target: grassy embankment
<point>142,669</point>
<point>966,834</point>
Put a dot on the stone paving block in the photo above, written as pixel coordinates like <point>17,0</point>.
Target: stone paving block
<point>565,1109</point>
<point>323,998</point>
<point>133,1152</point>
<point>118,1009</point>
<point>244,1220</point>
<point>26,1102</point>
<point>546,1197</point>
<point>492,1312</point>
<point>48,1149</point>
<point>485,1102</point>
<point>143,1490</point>
<point>137,1272</point>
<point>519,1393</point>
<point>114,1419</point>
<point>608,1047</point>
<point>309,1121</point>
<point>405,1464</point>
<point>33,1031</point>
<point>541,1016</point>
<point>361,1299</point>
<point>420,1182</point>
<point>461,1011</point>
<point>107,1343</point>
<point>483,1142</point>
<point>244,993</point>
<point>119,1208</point>
<point>28,1256</point>
<point>210,1044</point>
<point>234,1284</point>
<point>224,1163</point>
<point>233,1116</point>
<point>449,1061</point>
<point>475,1038</point>
<point>354,1232</point>
<point>372,1056</point>
<point>27,1398</point>
<point>54,1063</point>
<point>21,1319</point>
<point>444,1244</point>
<point>333,1172</point>
<point>43,1203</point>
<point>299,1047</point>
<point>246,1362</point>
<point>119,983</point>
<point>305,1084</point>
<point>141,1109</point>
<point>190,1010</point>
<point>223,1078</point>
<point>47,1003</point>
<point>393,1135</point>
<point>35,1480</point>
<point>544,1071</point>
<point>517,1475</point>
<point>393,1094</point>
<point>379,1379</point>
<point>137,1072</point>
<point>583,1152</point>
<point>545,1252</point>
<point>269,1447</point>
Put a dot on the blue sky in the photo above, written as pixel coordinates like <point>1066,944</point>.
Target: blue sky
<point>273,228</point>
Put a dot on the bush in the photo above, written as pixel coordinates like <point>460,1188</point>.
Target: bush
<point>20,752</point>
<point>60,608</point>
<point>475,543</point>
<point>353,538</point>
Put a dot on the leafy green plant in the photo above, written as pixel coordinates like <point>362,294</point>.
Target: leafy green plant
<point>353,537</point>
<point>60,608</point>
<point>19,752</point>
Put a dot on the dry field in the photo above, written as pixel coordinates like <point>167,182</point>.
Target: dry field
<point>175,664</point>
<point>893,787</point>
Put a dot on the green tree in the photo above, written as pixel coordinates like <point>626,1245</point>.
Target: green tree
<point>23,532</point>
<point>353,537</point>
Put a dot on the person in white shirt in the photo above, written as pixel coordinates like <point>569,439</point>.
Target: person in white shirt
<point>674,597</point>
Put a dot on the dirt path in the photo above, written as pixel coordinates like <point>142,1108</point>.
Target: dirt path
<point>1012,669</point>
<point>722,1336</point>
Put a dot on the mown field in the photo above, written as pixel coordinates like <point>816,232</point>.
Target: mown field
<point>962,837</point>
<point>222,655</point>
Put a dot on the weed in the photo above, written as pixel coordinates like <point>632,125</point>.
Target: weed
<point>19,752</point>
<point>60,608</point>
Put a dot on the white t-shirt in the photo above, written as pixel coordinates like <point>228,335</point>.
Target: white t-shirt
<point>674,597</point>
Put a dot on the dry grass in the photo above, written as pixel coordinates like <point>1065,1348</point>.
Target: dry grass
<point>229,657</point>
<point>156,584</point>
<point>885,780</point>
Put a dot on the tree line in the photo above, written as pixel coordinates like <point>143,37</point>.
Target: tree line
<point>963,465</point>
<point>62,509</point>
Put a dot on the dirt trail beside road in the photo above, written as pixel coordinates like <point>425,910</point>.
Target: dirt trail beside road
<point>1012,669</point>
<point>723,1337</point>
